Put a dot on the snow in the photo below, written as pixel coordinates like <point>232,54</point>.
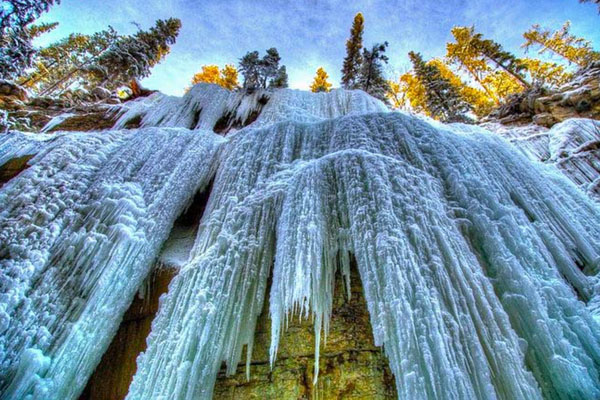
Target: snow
<point>479,266</point>
<point>205,104</point>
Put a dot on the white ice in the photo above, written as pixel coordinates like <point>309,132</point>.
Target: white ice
<point>479,265</point>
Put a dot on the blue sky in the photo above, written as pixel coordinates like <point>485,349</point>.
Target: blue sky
<point>312,33</point>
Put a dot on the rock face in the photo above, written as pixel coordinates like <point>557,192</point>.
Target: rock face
<point>580,98</point>
<point>350,366</point>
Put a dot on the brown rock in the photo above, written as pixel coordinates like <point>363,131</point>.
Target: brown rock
<point>545,119</point>
<point>11,89</point>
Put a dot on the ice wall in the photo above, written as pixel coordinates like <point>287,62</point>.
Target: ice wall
<point>205,104</point>
<point>572,146</point>
<point>79,231</point>
<point>479,266</point>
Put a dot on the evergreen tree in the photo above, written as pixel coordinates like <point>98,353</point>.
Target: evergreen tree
<point>371,78</point>
<point>572,48</point>
<point>481,104</point>
<point>16,50</point>
<point>59,65</point>
<point>280,81</point>
<point>132,57</point>
<point>263,73</point>
<point>249,66</point>
<point>494,53</point>
<point>320,82</point>
<point>353,59</point>
<point>19,14</point>
<point>467,58</point>
<point>269,67</point>
<point>442,99</point>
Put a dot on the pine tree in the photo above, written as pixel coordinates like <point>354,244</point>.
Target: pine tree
<point>16,50</point>
<point>280,81</point>
<point>38,30</point>
<point>65,58</point>
<point>371,78</point>
<point>494,53</point>
<point>353,59</point>
<point>467,58</point>
<point>19,14</point>
<point>442,99</point>
<point>249,66</point>
<point>572,48</point>
<point>481,104</point>
<point>132,57</point>
<point>320,82</point>
<point>269,67</point>
<point>263,73</point>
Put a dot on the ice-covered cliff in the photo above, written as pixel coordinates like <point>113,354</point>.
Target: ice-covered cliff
<point>479,266</point>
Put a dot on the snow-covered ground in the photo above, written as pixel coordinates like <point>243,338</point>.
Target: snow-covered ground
<point>479,265</point>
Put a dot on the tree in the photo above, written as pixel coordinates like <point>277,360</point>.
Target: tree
<point>442,99</point>
<point>320,82</point>
<point>467,57</point>
<point>229,77</point>
<point>249,66</point>
<point>36,31</point>
<point>280,81</point>
<point>269,67</point>
<point>226,77</point>
<point>407,92</point>
<point>132,57</point>
<point>481,104</point>
<point>263,73</point>
<point>495,54</point>
<point>371,78</point>
<point>572,48</point>
<point>353,59</point>
<point>544,73</point>
<point>19,14</point>
<point>65,58</point>
<point>16,50</point>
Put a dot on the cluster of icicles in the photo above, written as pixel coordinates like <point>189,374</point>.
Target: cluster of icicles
<point>479,267</point>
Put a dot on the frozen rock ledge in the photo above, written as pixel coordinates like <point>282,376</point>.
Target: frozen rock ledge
<point>479,266</point>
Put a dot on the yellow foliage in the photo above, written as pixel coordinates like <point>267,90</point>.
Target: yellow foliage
<point>226,77</point>
<point>481,102</point>
<point>407,92</point>
<point>546,73</point>
<point>502,84</point>
<point>572,48</point>
<point>229,77</point>
<point>320,83</point>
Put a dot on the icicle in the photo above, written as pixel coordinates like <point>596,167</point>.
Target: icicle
<point>479,267</point>
<point>79,233</point>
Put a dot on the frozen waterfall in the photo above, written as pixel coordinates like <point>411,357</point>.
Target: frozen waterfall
<point>479,266</point>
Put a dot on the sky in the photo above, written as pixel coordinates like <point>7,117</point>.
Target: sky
<point>312,33</point>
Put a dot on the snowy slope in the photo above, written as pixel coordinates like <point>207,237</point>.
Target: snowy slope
<point>479,266</point>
